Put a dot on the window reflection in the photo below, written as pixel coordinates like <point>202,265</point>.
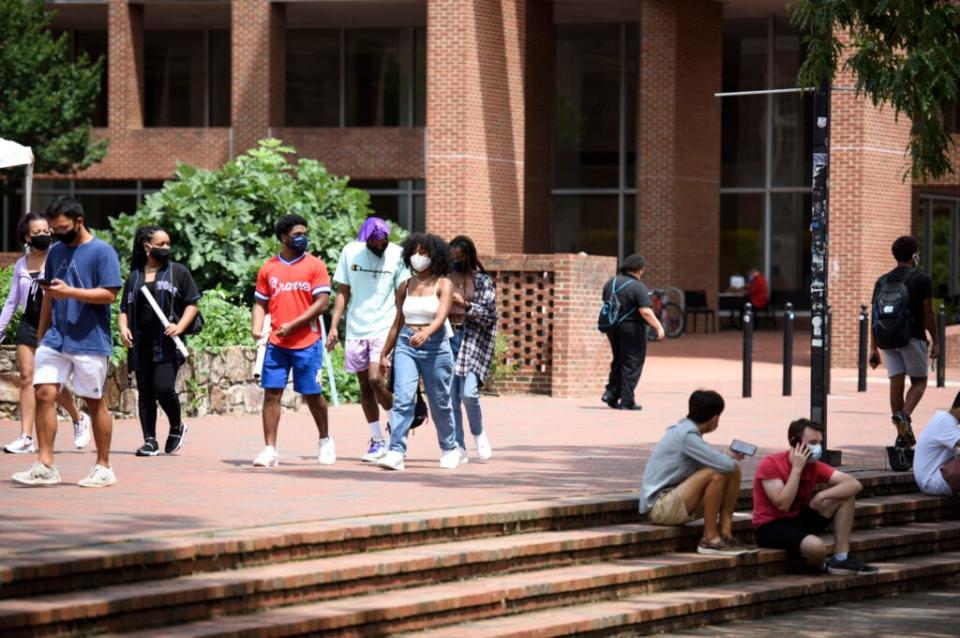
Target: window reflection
<point>187,77</point>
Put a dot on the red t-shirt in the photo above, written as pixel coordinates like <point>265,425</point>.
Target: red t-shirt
<point>777,466</point>
<point>758,291</point>
<point>289,288</point>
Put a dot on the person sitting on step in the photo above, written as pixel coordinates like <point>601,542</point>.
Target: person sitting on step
<point>786,513</point>
<point>685,478</point>
<point>936,461</point>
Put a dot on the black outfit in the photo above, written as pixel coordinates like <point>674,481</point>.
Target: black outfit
<point>788,533</point>
<point>628,341</point>
<point>30,321</point>
<point>919,287</point>
<point>154,357</point>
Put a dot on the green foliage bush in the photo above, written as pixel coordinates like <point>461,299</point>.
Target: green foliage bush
<point>221,221</point>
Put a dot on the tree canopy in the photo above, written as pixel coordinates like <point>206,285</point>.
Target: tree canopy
<point>47,100</point>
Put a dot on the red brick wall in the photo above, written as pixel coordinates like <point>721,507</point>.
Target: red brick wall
<point>125,61</point>
<point>870,206</point>
<point>153,153</point>
<point>475,121</point>
<point>679,143</point>
<point>362,153</point>
<point>254,103</point>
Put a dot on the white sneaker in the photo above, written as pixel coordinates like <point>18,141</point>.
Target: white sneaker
<point>392,460</point>
<point>23,444</point>
<point>38,474</point>
<point>99,476</point>
<point>328,452</point>
<point>484,451</point>
<point>267,458</point>
<point>81,431</point>
<point>450,460</point>
<point>376,449</point>
<point>464,459</point>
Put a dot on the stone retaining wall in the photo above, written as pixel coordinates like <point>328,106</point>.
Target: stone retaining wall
<point>210,383</point>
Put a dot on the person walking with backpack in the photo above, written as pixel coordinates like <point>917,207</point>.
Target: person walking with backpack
<point>624,316</point>
<point>902,315</point>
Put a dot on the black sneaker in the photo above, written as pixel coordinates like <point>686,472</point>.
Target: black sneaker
<point>175,439</point>
<point>903,423</point>
<point>610,400</point>
<point>849,567</point>
<point>635,406</point>
<point>149,448</point>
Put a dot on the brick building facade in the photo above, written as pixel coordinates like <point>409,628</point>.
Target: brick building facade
<point>535,126</point>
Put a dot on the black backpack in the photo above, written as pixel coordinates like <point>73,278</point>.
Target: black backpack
<point>611,312</point>
<point>892,321</point>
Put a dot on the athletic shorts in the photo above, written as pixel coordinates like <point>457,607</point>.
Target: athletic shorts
<point>305,364</point>
<point>911,359</point>
<point>788,533</point>
<point>360,354</point>
<point>669,509</point>
<point>88,372</point>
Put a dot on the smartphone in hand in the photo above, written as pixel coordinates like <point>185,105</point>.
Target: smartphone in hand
<point>742,447</point>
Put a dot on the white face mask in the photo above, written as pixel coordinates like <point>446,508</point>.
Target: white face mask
<point>420,262</point>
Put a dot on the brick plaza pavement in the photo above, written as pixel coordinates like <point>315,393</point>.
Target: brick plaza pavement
<point>544,448</point>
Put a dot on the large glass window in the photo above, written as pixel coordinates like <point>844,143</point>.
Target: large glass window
<point>402,202</point>
<point>594,131</point>
<point>93,44</point>
<point>356,77</point>
<point>765,177</point>
<point>187,78</point>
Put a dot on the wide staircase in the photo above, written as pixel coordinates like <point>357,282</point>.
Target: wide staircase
<point>577,566</point>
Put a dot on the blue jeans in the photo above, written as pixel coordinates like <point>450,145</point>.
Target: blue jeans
<point>434,362</point>
<point>466,391</point>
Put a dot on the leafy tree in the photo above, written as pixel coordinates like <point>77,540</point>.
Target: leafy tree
<point>221,221</point>
<point>904,52</point>
<point>46,100</point>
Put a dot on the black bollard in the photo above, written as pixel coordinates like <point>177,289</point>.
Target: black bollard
<point>788,318</point>
<point>747,350</point>
<point>862,351</point>
<point>941,339</point>
<point>827,328</point>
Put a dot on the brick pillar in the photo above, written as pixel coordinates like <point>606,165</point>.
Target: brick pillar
<point>581,354</point>
<point>257,29</point>
<point>475,121</point>
<point>125,65</point>
<point>870,206</point>
<point>679,143</point>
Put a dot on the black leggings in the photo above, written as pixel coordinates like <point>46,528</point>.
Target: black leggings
<point>156,383</point>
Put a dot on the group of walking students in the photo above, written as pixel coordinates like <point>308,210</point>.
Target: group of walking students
<point>425,310</point>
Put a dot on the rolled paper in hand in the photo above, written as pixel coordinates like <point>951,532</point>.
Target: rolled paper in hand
<point>163,319</point>
<point>262,349</point>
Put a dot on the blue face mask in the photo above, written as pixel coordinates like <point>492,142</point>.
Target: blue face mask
<point>816,451</point>
<point>298,244</point>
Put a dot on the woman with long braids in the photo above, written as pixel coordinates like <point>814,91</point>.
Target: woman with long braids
<point>474,320</point>
<point>420,333</point>
<point>33,230</point>
<point>153,355</point>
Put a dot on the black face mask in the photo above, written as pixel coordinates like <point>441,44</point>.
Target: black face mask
<point>41,242</point>
<point>68,237</point>
<point>458,266</point>
<point>376,251</point>
<point>160,254</point>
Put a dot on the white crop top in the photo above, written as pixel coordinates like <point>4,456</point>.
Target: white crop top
<point>421,311</point>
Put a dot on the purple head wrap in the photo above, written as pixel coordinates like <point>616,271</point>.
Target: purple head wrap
<point>374,229</point>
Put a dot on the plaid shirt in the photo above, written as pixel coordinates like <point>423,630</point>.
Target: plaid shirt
<point>479,330</point>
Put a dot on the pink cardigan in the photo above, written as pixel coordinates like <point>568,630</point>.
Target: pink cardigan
<point>20,285</point>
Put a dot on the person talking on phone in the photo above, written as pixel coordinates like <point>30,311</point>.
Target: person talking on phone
<point>788,515</point>
<point>686,479</point>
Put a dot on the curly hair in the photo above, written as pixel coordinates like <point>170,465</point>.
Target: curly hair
<point>23,226</point>
<point>286,223</point>
<point>138,258</point>
<point>464,243</point>
<point>904,248</point>
<point>440,261</point>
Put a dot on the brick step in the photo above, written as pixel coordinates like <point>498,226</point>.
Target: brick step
<point>668,611</point>
<point>79,568</point>
<point>434,605</point>
<point>199,596</point>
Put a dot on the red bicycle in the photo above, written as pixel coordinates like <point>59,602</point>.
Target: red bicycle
<point>670,314</point>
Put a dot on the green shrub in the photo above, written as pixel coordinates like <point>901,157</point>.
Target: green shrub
<point>221,221</point>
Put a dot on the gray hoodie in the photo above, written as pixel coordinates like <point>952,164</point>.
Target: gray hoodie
<point>681,452</point>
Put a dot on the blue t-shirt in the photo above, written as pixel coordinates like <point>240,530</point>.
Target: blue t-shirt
<point>77,327</point>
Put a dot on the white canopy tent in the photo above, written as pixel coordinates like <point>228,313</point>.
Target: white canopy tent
<point>13,154</point>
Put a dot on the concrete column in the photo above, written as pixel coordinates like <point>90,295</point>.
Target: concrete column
<point>475,159</point>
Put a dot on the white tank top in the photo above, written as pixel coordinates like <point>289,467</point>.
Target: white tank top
<point>421,311</point>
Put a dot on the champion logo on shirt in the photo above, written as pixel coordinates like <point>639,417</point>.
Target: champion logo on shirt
<point>288,286</point>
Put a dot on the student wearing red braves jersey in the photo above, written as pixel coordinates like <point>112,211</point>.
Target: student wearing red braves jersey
<point>294,288</point>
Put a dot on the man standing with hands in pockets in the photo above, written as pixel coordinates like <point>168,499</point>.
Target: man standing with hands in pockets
<point>81,279</point>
